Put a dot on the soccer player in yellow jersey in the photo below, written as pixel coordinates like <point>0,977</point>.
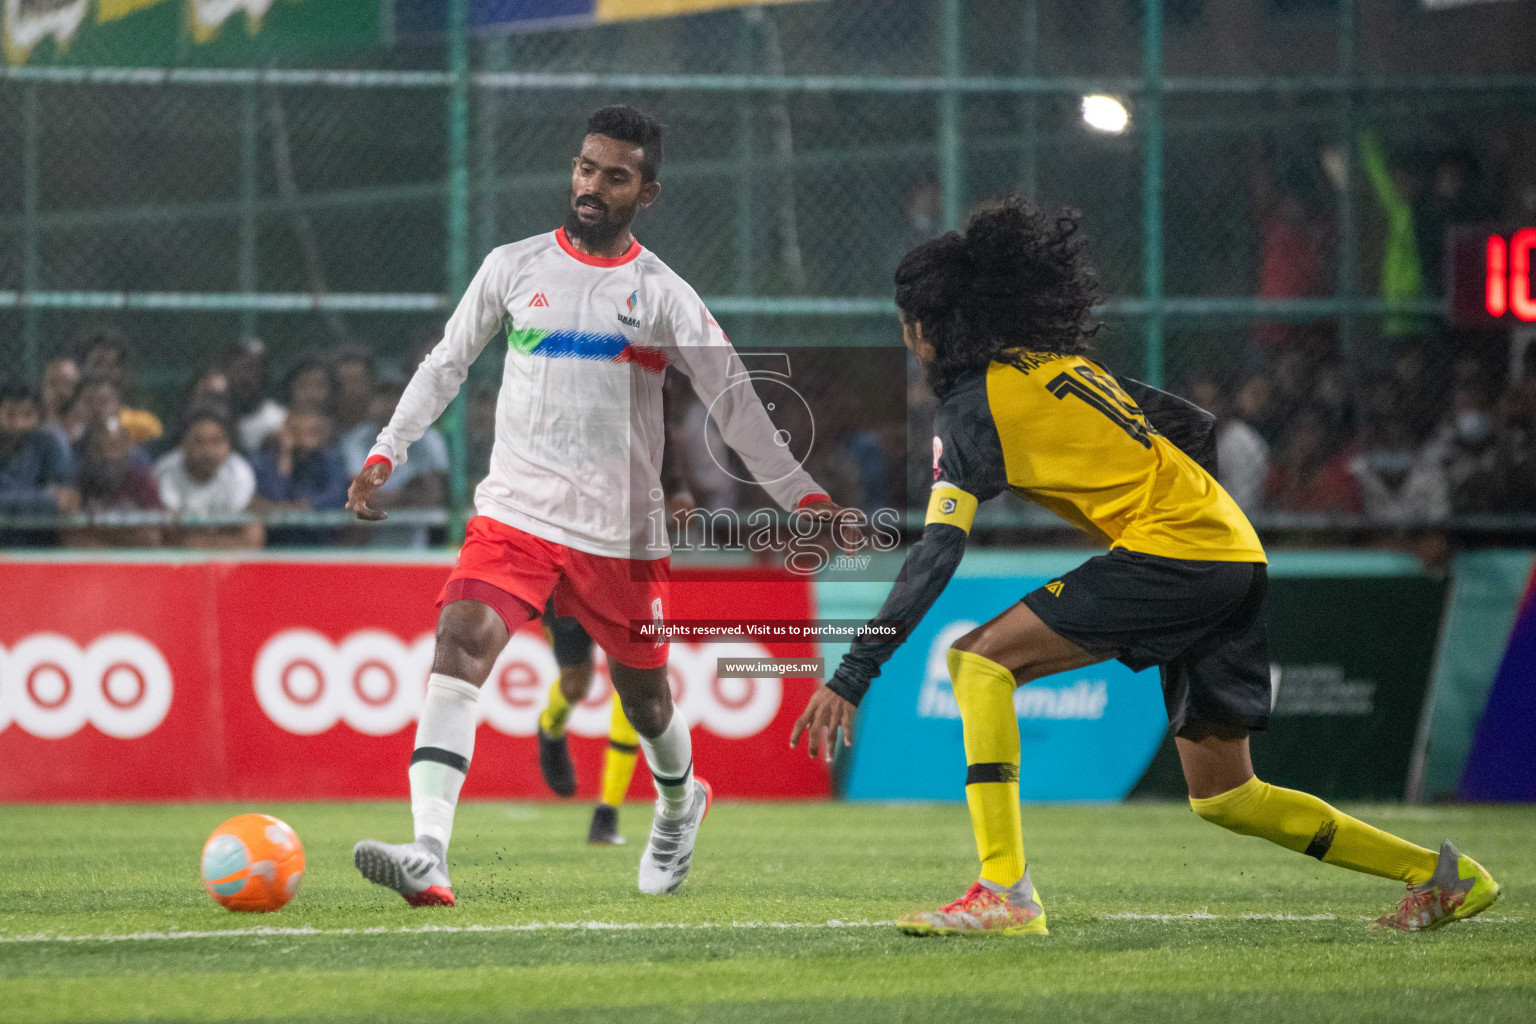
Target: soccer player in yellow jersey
<point>1000,316</point>
<point>573,653</point>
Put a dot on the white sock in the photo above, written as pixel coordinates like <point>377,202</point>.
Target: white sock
<point>670,757</point>
<point>445,741</point>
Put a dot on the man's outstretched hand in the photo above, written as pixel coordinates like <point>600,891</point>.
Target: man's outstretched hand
<point>822,717</point>
<point>370,479</point>
<point>847,524</point>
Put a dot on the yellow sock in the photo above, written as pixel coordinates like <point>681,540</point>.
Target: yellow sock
<point>1303,823</point>
<point>984,691</point>
<point>619,762</point>
<point>556,711</point>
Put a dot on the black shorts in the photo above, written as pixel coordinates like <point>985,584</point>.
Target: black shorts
<point>1200,622</point>
<point>572,643</point>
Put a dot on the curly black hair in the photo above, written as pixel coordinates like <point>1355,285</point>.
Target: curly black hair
<point>627,124</point>
<point>1016,280</point>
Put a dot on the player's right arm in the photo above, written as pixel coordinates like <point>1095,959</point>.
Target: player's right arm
<point>929,565</point>
<point>437,380</point>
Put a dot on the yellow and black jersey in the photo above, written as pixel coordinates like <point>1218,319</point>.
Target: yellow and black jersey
<point>1066,434</point>
<point>1125,462</point>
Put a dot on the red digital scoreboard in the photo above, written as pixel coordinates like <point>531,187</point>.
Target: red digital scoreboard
<point>1489,267</point>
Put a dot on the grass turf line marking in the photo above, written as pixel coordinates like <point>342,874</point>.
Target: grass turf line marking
<point>308,931</point>
<point>1203,916</point>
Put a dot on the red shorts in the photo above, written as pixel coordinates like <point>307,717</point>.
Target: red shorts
<point>515,572</point>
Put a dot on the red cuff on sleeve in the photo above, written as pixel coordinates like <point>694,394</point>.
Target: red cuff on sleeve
<point>372,459</point>
<point>814,496</point>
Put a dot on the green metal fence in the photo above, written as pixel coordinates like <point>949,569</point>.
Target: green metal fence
<point>809,145</point>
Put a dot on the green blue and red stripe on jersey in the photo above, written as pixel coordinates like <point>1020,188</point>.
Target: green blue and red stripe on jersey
<point>603,347</point>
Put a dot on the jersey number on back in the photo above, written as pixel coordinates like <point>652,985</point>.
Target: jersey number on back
<point>1103,393</point>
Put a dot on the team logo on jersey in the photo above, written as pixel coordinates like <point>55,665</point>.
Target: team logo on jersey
<point>1055,587</point>
<point>539,301</point>
<point>630,304</point>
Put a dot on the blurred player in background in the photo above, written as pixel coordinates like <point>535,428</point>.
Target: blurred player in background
<point>573,497</point>
<point>573,653</point>
<point>572,646</point>
<point>1000,317</point>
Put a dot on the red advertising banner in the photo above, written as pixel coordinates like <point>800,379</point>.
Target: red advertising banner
<point>302,680</point>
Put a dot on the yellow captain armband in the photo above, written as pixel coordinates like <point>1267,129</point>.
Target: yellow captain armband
<point>949,504</point>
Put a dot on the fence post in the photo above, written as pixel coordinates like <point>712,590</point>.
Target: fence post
<point>1151,117</point>
<point>458,232</point>
<point>249,138</point>
<point>1347,283</point>
<point>951,158</point>
<point>1029,146</point>
<point>745,174</point>
<point>30,265</point>
<point>494,57</point>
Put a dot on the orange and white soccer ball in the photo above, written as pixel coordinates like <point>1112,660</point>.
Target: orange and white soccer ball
<point>253,862</point>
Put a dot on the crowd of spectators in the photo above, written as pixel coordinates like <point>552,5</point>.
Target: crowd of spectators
<point>1423,442</point>
<point>1303,438</point>
<point>204,477</point>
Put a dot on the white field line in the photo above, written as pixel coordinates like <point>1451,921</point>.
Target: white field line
<point>1201,915</point>
<point>308,931</point>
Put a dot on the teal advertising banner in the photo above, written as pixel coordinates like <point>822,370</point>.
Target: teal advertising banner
<point>1352,642</point>
<point>1084,736</point>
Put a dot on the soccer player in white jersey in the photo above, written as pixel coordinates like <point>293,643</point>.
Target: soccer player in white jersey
<point>573,502</point>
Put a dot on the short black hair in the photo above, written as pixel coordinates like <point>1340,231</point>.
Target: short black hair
<point>87,381</point>
<point>629,125</point>
<point>302,365</point>
<point>19,391</point>
<point>206,412</point>
<point>1017,279</point>
<point>103,336</point>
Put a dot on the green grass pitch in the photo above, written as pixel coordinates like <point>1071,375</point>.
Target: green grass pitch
<point>1155,916</point>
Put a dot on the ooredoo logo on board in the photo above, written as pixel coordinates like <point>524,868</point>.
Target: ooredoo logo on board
<point>51,687</point>
<point>372,681</point>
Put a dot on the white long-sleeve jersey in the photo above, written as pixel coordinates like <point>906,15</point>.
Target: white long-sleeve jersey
<point>579,430</point>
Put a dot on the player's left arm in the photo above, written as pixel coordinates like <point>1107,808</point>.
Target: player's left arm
<point>1191,429</point>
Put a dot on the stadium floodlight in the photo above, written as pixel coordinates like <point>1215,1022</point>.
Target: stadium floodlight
<point>1105,114</point>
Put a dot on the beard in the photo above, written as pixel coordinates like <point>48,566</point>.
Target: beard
<point>601,233</point>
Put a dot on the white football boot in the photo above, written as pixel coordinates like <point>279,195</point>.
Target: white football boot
<point>668,855</point>
<point>414,870</point>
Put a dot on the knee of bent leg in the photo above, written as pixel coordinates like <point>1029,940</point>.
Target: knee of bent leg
<point>646,696</point>
<point>650,714</point>
<point>1212,812</point>
<point>1232,810</point>
<point>468,642</point>
<point>974,642</point>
